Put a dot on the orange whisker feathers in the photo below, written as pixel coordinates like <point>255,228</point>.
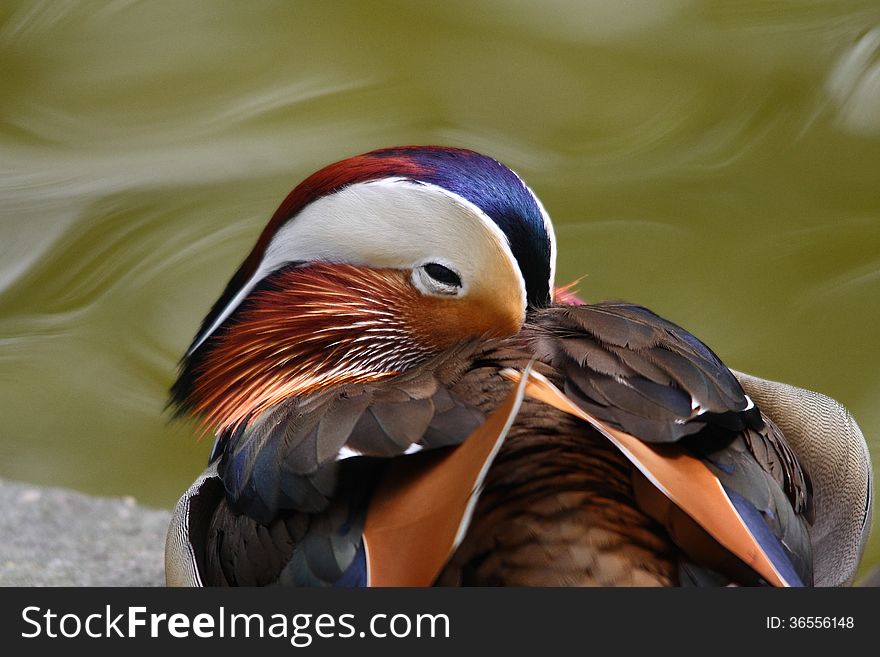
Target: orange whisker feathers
<point>567,293</point>
<point>309,328</point>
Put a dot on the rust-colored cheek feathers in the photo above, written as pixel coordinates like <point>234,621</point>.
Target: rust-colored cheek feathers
<point>310,327</point>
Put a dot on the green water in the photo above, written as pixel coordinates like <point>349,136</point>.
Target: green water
<point>717,161</point>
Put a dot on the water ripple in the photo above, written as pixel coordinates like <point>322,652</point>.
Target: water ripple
<point>854,85</point>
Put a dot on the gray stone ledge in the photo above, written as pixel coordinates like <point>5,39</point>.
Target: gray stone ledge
<point>55,537</point>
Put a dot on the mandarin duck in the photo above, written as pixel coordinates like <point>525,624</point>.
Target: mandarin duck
<point>401,397</point>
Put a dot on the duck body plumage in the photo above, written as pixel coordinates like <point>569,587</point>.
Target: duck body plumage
<point>560,504</point>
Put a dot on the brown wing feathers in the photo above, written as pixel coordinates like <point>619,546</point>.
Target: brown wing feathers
<point>637,371</point>
<point>689,483</point>
<point>284,459</point>
<point>746,452</point>
<point>558,510</point>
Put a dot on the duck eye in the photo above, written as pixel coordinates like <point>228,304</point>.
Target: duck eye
<point>442,274</point>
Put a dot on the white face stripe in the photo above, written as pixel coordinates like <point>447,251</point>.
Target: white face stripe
<point>501,239</point>
<point>387,223</point>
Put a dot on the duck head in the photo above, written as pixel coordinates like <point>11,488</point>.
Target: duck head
<point>370,266</point>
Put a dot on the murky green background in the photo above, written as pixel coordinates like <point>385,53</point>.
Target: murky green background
<point>717,161</point>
